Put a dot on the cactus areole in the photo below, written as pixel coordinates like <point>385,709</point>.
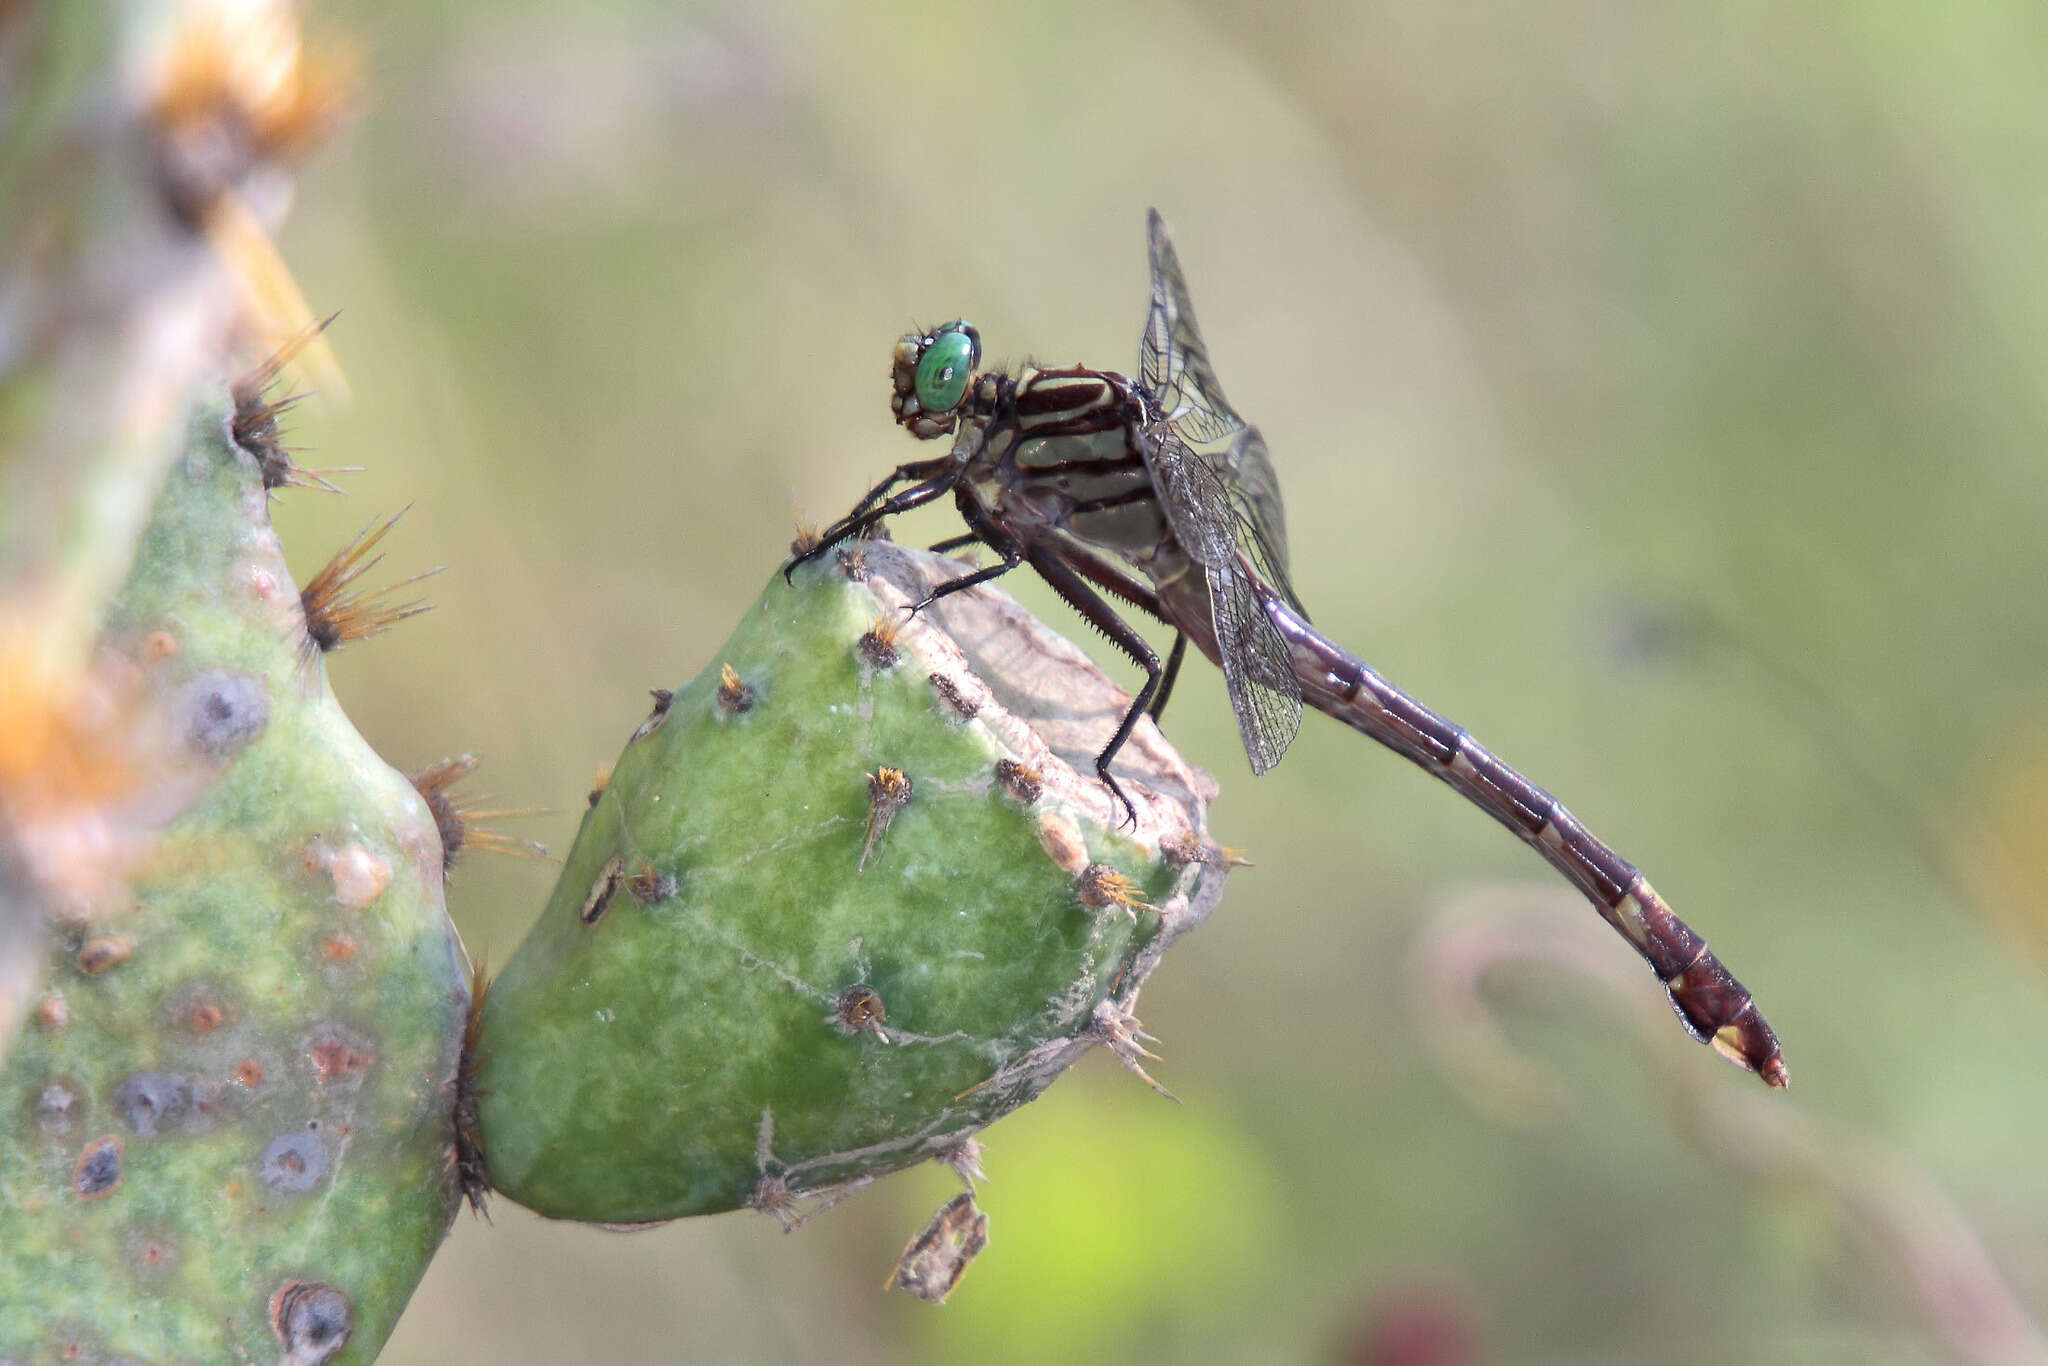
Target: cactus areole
<point>848,896</point>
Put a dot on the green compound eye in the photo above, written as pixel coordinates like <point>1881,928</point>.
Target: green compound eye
<point>946,366</point>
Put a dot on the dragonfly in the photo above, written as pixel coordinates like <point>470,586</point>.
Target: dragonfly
<point>1156,492</point>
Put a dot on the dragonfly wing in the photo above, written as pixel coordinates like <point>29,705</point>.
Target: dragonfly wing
<point>1258,667</point>
<point>1223,509</point>
<point>1261,530</point>
<point>1173,360</point>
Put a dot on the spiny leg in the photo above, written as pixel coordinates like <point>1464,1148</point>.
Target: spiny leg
<point>1011,559</point>
<point>953,543</point>
<point>1103,618</point>
<point>981,531</point>
<point>1173,659</point>
<point>855,524</point>
<point>861,517</point>
<point>918,470</point>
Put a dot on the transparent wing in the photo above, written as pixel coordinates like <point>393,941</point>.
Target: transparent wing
<point>1261,530</point>
<point>1208,520</point>
<point>1173,360</point>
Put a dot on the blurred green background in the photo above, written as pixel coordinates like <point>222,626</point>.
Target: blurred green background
<point>1657,391</point>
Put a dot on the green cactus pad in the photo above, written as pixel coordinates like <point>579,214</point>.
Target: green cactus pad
<point>844,901</point>
<point>225,1128</point>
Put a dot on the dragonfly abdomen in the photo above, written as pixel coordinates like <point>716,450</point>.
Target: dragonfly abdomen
<point>1713,1005</point>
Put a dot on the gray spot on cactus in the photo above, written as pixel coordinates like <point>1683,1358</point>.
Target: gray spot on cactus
<point>313,1320</point>
<point>222,710</point>
<point>152,1101</point>
<point>294,1162</point>
<point>59,1105</point>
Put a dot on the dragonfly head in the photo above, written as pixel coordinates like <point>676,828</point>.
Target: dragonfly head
<point>932,373</point>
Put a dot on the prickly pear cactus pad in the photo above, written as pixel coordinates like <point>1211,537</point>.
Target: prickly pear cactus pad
<point>225,1127</point>
<point>848,896</point>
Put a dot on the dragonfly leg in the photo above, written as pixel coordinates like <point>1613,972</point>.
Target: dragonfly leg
<point>864,514</point>
<point>1103,617</point>
<point>857,522</point>
<point>953,543</point>
<point>1011,559</point>
<point>1173,659</point>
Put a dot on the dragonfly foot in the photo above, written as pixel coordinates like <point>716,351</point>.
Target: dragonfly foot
<point>789,566</point>
<point>803,557</point>
<point>1130,816</point>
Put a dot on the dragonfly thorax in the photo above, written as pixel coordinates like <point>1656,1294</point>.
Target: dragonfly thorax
<point>1053,458</point>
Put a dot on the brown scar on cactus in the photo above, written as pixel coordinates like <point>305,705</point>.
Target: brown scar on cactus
<point>663,700</point>
<point>472,1169</point>
<point>338,1058</point>
<point>460,820</point>
<point>1024,783</point>
<point>255,422</point>
<point>333,615</point>
<point>958,702</point>
<point>200,1008</point>
<point>888,793</point>
<point>602,889</point>
<point>104,951</point>
<point>99,1168</point>
<point>53,1012</point>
